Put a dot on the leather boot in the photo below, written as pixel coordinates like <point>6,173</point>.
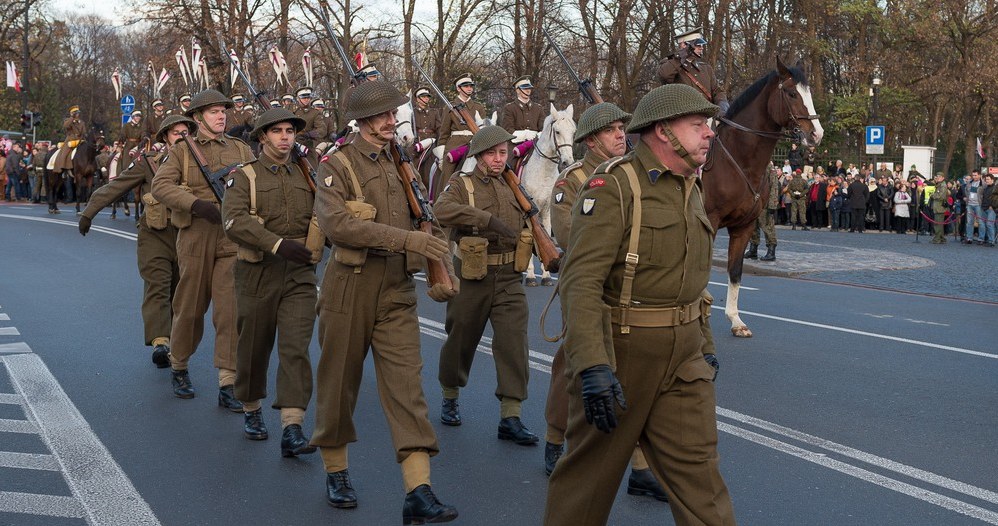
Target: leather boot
<point>182,386</point>
<point>753,251</point>
<point>227,399</point>
<point>512,428</point>
<point>421,506</point>
<point>254,427</point>
<point>643,483</point>
<point>770,254</point>
<point>161,356</point>
<point>552,452</point>
<point>339,490</point>
<point>294,443</point>
<point>449,413</point>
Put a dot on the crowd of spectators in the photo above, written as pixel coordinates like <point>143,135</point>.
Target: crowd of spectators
<point>855,199</point>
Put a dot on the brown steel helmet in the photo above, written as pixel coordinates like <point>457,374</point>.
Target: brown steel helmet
<point>205,99</point>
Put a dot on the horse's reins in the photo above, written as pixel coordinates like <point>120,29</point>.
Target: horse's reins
<point>794,133</point>
<point>557,147</point>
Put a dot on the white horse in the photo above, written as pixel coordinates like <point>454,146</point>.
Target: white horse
<point>405,131</point>
<point>552,153</point>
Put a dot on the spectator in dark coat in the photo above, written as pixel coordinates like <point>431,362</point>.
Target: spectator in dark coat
<point>859,194</point>
<point>884,204</point>
<point>795,157</point>
<point>821,203</point>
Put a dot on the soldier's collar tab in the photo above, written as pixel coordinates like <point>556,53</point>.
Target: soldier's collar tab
<point>369,149</point>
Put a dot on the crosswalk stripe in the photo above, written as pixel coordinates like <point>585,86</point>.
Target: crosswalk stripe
<point>14,348</point>
<point>10,459</point>
<point>9,331</point>
<point>18,426</point>
<point>10,398</point>
<point>35,504</point>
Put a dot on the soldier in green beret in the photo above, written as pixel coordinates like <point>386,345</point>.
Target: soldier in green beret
<point>637,316</point>
<point>267,210</point>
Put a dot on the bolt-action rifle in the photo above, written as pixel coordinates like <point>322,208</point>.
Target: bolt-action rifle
<point>547,251</point>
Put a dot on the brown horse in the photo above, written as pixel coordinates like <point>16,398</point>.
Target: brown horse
<point>734,187</point>
<point>85,166</point>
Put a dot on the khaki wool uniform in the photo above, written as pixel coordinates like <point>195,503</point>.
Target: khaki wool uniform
<point>131,135</point>
<point>427,124</point>
<point>75,131</point>
<point>152,124</point>
<point>498,298</point>
<point>274,296</point>
<point>659,360</point>
<point>766,220</point>
<point>156,248</point>
<point>452,135</point>
<point>313,132</point>
<point>518,115</point>
<point>939,209</point>
<point>369,306</point>
<point>797,189</point>
<point>563,196</point>
<point>692,71</point>
<point>235,117</point>
<point>205,256</point>
<point>38,162</point>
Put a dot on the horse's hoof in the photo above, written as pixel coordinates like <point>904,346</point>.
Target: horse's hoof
<point>741,332</point>
<point>547,282</point>
<point>531,282</point>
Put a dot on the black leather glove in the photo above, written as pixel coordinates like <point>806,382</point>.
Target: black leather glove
<point>600,389</point>
<point>294,252</point>
<point>84,225</point>
<point>496,225</point>
<point>712,361</point>
<point>207,210</point>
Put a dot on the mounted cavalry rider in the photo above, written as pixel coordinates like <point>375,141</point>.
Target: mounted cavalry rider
<point>522,117</point>
<point>688,67</point>
<point>315,124</point>
<point>426,123</point>
<point>75,132</point>
<point>453,133</point>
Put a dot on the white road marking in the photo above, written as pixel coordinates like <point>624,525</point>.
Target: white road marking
<point>17,426</point>
<point>103,493</point>
<point>9,459</point>
<point>105,230</point>
<point>725,285</point>
<point>33,504</point>
<point>4,317</point>
<point>13,348</point>
<point>927,322</point>
<point>878,316</point>
<point>485,339</point>
<point>897,467</point>
<point>9,331</point>
<point>11,399</point>
<point>922,494</point>
<point>482,349</point>
<point>870,334</point>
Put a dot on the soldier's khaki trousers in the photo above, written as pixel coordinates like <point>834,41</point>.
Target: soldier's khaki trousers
<point>670,412</point>
<point>275,298</point>
<point>498,298</point>
<point>375,309</point>
<point>556,406</point>
<point>798,212</point>
<point>765,222</point>
<point>156,252</point>
<point>205,258</point>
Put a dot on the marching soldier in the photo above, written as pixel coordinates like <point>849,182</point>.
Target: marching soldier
<point>315,125</point>
<point>486,224</point>
<point>522,117</point>
<point>637,335</point>
<point>288,101</point>
<point>267,211</point>
<point>239,116</point>
<point>767,220</point>
<point>157,238</point>
<point>322,143</point>
<point>155,121</point>
<point>131,135</point>
<point>183,104</point>
<point>601,129</point>
<point>75,132</point>
<point>687,67</point>
<point>940,205</point>
<point>797,190</point>
<point>204,255</point>
<point>368,301</point>
<point>426,121</point>
<point>453,133</point>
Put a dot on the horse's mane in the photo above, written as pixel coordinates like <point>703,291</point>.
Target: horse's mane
<point>751,92</point>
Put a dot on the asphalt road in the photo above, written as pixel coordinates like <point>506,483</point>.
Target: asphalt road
<point>850,405</point>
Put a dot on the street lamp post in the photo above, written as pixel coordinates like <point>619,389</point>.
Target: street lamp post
<point>874,91</point>
<point>552,92</point>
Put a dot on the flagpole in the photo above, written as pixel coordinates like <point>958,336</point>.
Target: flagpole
<point>24,68</point>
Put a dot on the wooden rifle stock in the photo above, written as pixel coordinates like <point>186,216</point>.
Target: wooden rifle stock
<point>436,271</point>
<point>547,251</point>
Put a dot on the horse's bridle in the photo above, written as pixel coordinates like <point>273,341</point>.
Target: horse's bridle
<point>557,148</point>
<point>795,132</point>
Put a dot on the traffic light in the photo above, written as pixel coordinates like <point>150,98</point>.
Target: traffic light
<point>36,119</point>
<point>26,120</point>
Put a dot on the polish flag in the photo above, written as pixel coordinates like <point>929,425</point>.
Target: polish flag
<point>12,80</point>
<point>980,148</point>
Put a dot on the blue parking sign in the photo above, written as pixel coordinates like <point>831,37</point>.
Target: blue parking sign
<point>875,140</point>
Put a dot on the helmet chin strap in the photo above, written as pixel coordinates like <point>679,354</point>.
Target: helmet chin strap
<point>678,146</point>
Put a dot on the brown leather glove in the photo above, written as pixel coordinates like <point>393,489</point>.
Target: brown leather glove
<point>440,293</point>
<point>294,252</point>
<point>426,245</point>
<point>496,225</point>
<point>207,210</point>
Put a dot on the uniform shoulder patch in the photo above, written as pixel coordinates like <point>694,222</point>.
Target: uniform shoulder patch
<point>560,183</point>
<point>588,205</point>
<point>559,197</point>
<point>597,182</point>
<point>230,183</point>
<point>328,180</point>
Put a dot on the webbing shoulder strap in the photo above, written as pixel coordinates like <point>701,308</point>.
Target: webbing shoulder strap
<point>251,176</point>
<point>358,192</point>
<point>631,261</point>
<point>470,187</point>
<point>183,167</point>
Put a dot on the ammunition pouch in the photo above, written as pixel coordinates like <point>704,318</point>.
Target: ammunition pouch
<point>473,252</point>
<point>250,255</point>
<point>315,240</point>
<point>155,212</point>
<point>524,250</point>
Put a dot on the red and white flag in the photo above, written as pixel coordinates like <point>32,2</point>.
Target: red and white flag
<point>980,148</point>
<point>13,81</point>
<point>116,82</point>
<point>196,59</point>
<point>306,64</point>
<point>280,66</point>
<point>185,68</point>
<point>233,63</point>
<point>161,82</point>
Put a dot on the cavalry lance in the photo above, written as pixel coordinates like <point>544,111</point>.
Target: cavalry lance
<point>419,207</point>
<point>547,251</point>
